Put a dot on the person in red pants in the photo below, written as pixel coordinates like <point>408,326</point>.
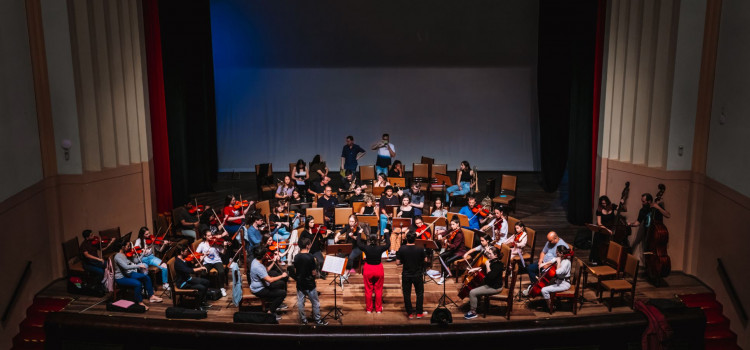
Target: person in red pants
<point>373,274</point>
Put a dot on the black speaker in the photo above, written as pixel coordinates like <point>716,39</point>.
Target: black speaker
<point>181,312</point>
<point>489,187</point>
<point>255,317</point>
<point>135,308</point>
<point>441,315</point>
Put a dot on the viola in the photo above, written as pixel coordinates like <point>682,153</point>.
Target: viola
<point>103,241</point>
<point>196,209</point>
<point>194,256</point>
<point>216,241</point>
<point>274,246</point>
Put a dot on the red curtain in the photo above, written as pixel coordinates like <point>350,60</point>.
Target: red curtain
<point>158,109</point>
<point>599,56</point>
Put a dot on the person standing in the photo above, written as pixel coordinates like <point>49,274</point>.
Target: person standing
<point>350,155</point>
<point>305,266</point>
<point>413,259</point>
<point>373,273</point>
<point>386,152</point>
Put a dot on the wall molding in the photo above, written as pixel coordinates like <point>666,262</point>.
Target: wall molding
<point>657,173</point>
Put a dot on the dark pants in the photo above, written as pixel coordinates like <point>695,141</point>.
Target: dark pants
<point>449,257</point>
<point>94,267</point>
<point>533,270</point>
<point>599,247</point>
<point>220,278</point>
<point>201,284</point>
<point>138,281</point>
<point>272,295</point>
<point>406,283</point>
<point>318,260</point>
<point>354,256</point>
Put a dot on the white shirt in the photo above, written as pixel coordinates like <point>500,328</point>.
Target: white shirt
<point>211,254</point>
<point>383,151</point>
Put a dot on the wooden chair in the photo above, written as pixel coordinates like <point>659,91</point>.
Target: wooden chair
<point>507,196</point>
<point>506,295</point>
<point>420,174</point>
<point>317,214</point>
<point>611,267</point>
<point>624,285</point>
<point>357,206</point>
<point>291,169</point>
<point>377,191</point>
<point>427,160</point>
<point>437,169</point>
<point>367,173</point>
<point>72,255</point>
<point>181,296</point>
<point>573,293</point>
<point>511,225</point>
<point>341,216</point>
<point>264,208</point>
<point>265,181</point>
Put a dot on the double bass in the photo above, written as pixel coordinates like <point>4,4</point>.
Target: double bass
<point>658,263</point>
<point>621,230</point>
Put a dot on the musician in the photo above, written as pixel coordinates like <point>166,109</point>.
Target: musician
<point>283,222</point>
<point>251,234</point>
<point>386,151</point>
<point>212,248</point>
<point>350,182</point>
<point>261,283</point>
<point>421,230</point>
<point>387,198</point>
<point>318,169</point>
<point>349,235</point>
<point>373,273</point>
<point>90,255</point>
<point>484,244</point>
<point>413,259</point>
<point>301,174</point>
<point>605,217</point>
<point>351,154</point>
<point>148,257</point>
<point>463,178</point>
<point>187,222</point>
<point>317,241</point>
<point>296,197</point>
<point>318,187</point>
<point>416,196</point>
<point>546,257</point>
<point>439,210</point>
<point>453,243</point>
<point>304,266</point>
<point>561,282</point>
<point>397,169</point>
<point>474,212</point>
<point>493,282</point>
<point>370,207</point>
<point>328,202</point>
<point>498,225</point>
<point>285,190</point>
<point>517,241</point>
<point>405,211</point>
<point>358,196</point>
<point>184,278</point>
<point>127,274</point>
<point>233,214</point>
<point>645,218</point>
<point>381,181</point>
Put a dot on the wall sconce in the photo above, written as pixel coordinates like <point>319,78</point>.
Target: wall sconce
<point>66,144</point>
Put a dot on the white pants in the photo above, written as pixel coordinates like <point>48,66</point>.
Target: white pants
<point>552,288</point>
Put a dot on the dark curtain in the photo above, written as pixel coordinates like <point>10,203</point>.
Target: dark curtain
<point>567,38</point>
<point>190,102</point>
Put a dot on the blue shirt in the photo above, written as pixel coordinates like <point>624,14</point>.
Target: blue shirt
<point>550,251</point>
<point>473,220</point>
<point>253,236</point>
<point>350,156</point>
<point>257,274</point>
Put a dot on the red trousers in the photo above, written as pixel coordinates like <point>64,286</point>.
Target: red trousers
<point>373,276</point>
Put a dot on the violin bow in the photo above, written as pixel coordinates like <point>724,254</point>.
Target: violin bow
<point>196,257</point>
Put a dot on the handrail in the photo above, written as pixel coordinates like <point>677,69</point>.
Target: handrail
<point>732,292</point>
<point>16,291</point>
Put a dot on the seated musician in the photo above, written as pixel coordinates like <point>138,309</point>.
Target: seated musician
<point>90,259</point>
<point>439,210</point>
<point>453,242</point>
<point>416,196</point>
<point>397,169</point>
<point>497,225</point>
<point>184,272</point>
<point>349,235</point>
<point>296,197</point>
<point>187,222</point>
<point>317,235</point>
<point>484,244</point>
<point>127,274</point>
<point>350,182</point>
<point>493,280</point>
<point>233,214</point>
<point>561,281</point>
<point>148,257</point>
<point>546,258</point>
<point>301,175</point>
<point>387,198</point>
<point>212,248</point>
<point>474,213</point>
<point>370,207</point>
<point>283,223</point>
<point>463,187</point>
<point>405,211</point>
<point>285,190</point>
<point>517,241</point>
<point>317,188</point>
<point>250,233</point>
<point>262,284</point>
<point>328,202</point>
<point>358,196</point>
<point>421,231</point>
<point>381,181</point>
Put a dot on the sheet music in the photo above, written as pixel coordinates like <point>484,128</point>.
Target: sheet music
<point>334,264</point>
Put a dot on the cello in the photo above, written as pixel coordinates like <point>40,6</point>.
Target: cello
<point>658,263</point>
<point>547,277</point>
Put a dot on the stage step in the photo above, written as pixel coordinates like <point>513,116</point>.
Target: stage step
<point>717,334</point>
<point>721,339</point>
<point>715,321</point>
<point>31,329</point>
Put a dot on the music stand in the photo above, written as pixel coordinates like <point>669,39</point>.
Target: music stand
<point>335,265</point>
<point>445,298</point>
<point>401,223</point>
<point>377,191</point>
<point>426,244</point>
<point>335,250</point>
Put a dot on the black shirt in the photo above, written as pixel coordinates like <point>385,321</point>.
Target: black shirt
<point>394,173</point>
<point>369,211</point>
<point>413,259</point>
<point>353,241</point>
<point>316,243</point>
<point>608,220</point>
<point>346,184</point>
<point>328,205</point>
<point>494,279</point>
<point>374,253</point>
<point>646,211</point>
<point>182,214</point>
<point>384,200</point>
<point>465,176</point>
<point>183,272</point>
<point>317,187</point>
<point>407,214</point>
<point>304,264</point>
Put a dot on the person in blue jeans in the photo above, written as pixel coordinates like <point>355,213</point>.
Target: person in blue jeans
<point>90,259</point>
<point>386,199</point>
<point>148,257</point>
<point>386,152</point>
<point>463,178</point>
<point>126,274</point>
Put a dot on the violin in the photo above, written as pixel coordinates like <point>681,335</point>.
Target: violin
<point>217,241</point>
<point>424,232</point>
<point>133,251</point>
<point>194,256</point>
<point>196,209</point>
<point>479,210</point>
<point>276,245</point>
<point>241,204</point>
<point>98,240</point>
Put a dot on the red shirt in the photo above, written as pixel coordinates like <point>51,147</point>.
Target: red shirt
<point>229,212</point>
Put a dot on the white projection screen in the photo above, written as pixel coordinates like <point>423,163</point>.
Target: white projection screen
<point>272,111</point>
